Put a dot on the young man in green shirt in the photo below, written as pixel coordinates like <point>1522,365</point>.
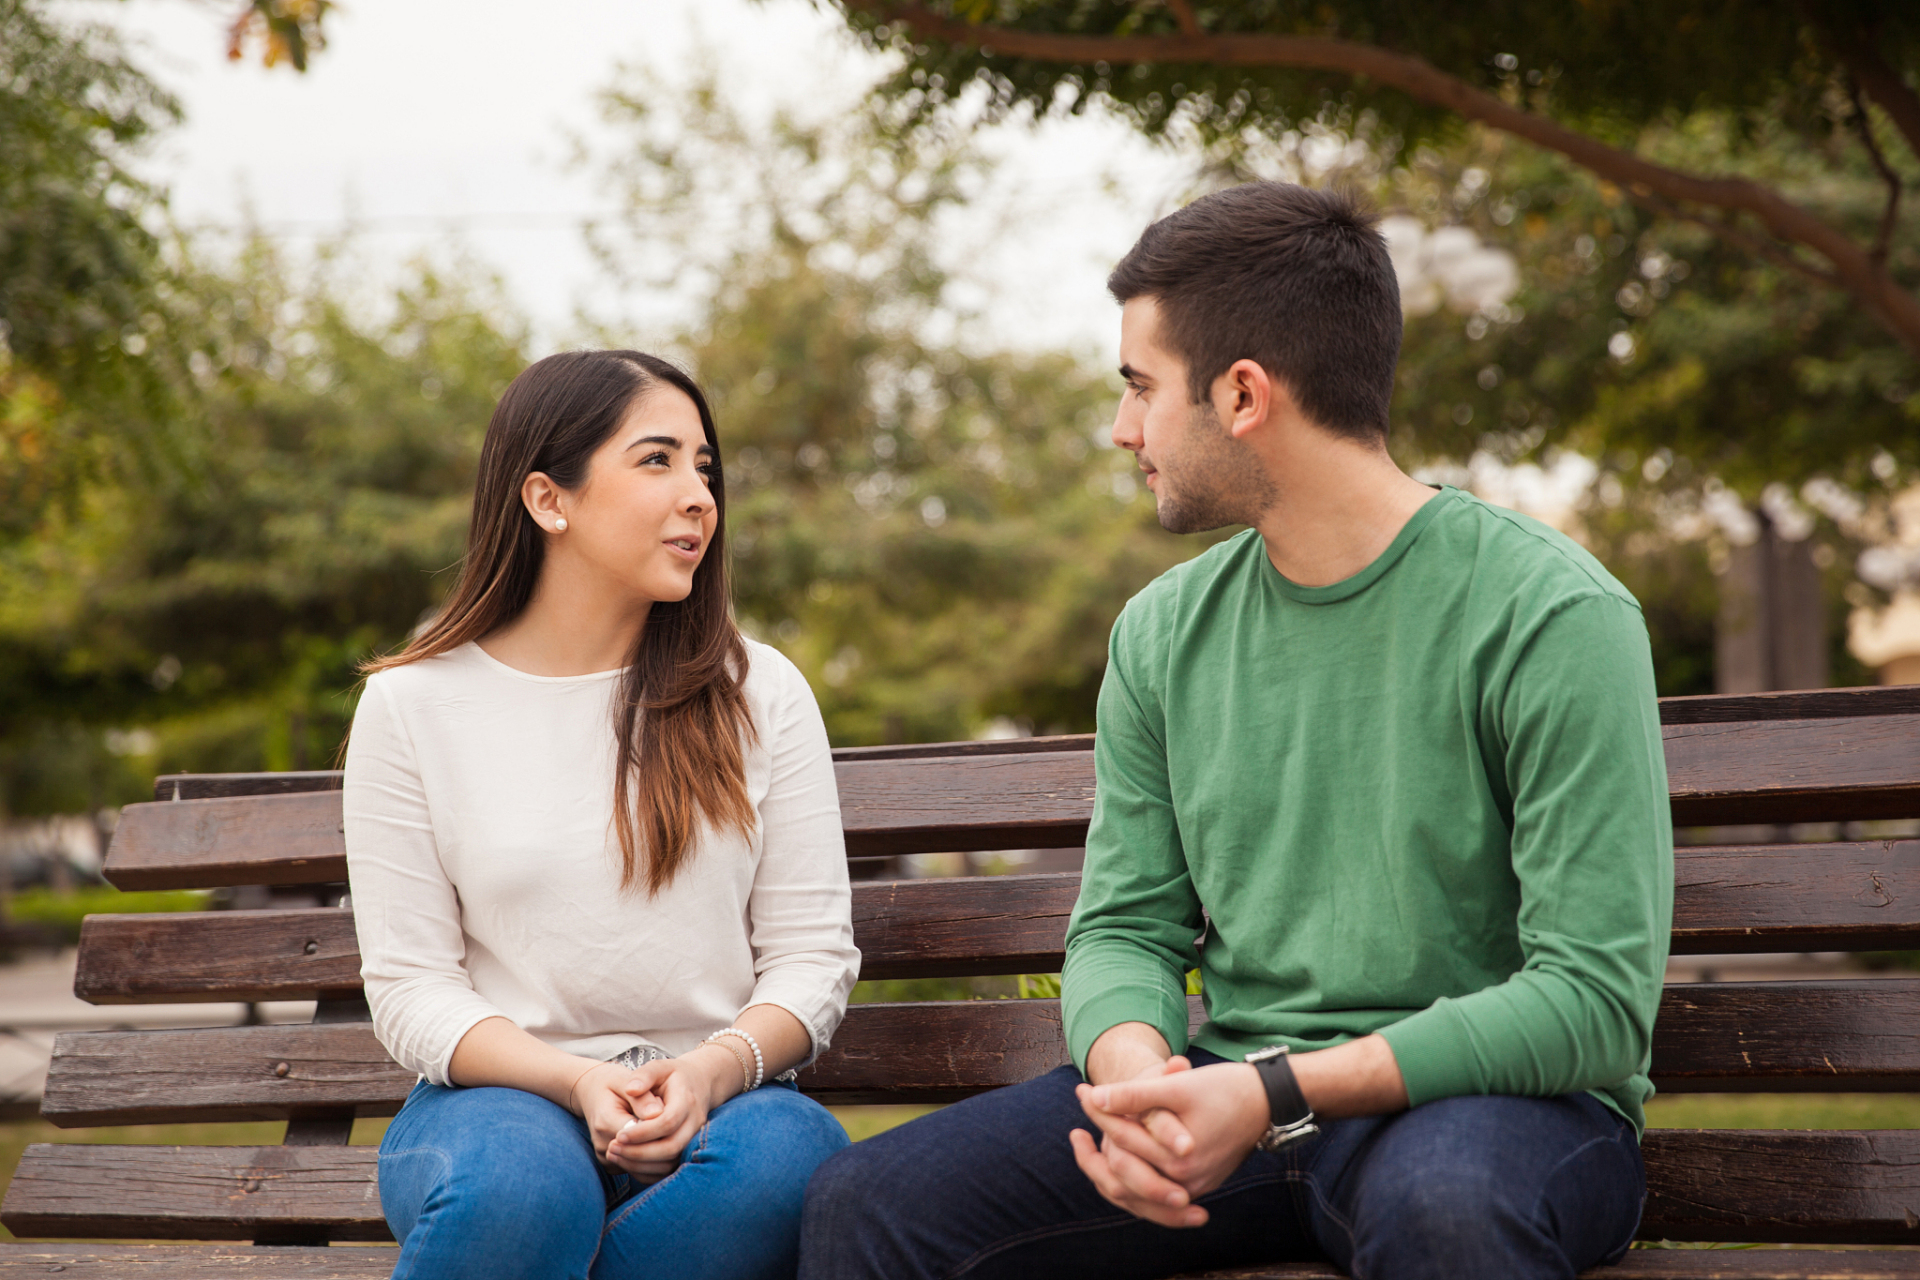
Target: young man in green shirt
<point>1386,768</point>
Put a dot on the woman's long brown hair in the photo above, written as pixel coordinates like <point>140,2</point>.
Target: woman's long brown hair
<point>681,722</point>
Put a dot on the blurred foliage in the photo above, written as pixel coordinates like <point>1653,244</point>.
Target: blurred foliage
<point>939,536</point>
<point>288,31</point>
<point>1634,336</point>
<point>1609,69</point>
<point>63,912</point>
<point>1619,73</point>
<point>230,479</point>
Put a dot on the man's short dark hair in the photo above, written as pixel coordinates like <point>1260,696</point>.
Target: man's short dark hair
<point>1296,279</point>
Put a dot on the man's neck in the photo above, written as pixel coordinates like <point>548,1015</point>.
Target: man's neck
<point>1340,504</point>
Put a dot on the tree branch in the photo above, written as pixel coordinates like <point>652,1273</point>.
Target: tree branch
<point>1884,239</point>
<point>1740,238</point>
<point>1881,82</point>
<point>1183,14</point>
<point>1853,268</point>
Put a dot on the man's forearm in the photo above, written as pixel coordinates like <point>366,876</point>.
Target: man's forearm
<point>1358,1078</point>
<point>1125,1052</point>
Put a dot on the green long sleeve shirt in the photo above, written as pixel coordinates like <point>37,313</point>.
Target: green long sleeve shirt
<point>1429,801</point>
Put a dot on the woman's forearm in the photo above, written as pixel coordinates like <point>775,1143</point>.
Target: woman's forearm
<point>496,1052</point>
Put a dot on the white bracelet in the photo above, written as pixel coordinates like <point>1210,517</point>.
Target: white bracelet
<point>759,1063</point>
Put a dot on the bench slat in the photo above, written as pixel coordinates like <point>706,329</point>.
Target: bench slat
<point>194,1262</point>
<point>1028,800</point>
<point>375,1262</point>
<point>1731,1037</point>
<point>1858,767</point>
<point>1786,1187</point>
<point>1862,895</point>
<point>195,1193</point>
<point>1854,767</point>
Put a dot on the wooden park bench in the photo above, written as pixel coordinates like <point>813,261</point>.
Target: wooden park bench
<point>1826,756</point>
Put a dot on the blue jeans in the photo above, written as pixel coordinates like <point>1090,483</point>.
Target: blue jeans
<point>1486,1186</point>
<point>487,1184</point>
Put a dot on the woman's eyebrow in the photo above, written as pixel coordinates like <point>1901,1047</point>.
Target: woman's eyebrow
<point>672,442</point>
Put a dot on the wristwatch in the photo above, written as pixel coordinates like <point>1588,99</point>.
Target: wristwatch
<point>1290,1118</point>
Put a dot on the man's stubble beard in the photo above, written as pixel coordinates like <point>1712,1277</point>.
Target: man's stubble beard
<point>1220,480</point>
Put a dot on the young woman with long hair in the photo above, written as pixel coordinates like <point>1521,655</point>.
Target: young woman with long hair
<point>597,868</point>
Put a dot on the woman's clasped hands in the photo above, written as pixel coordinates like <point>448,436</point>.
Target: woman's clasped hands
<point>642,1120</point>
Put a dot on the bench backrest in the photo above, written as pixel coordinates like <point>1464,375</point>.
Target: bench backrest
<point>1825,756</point>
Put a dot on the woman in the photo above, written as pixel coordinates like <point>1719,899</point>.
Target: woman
<point>597,867</point>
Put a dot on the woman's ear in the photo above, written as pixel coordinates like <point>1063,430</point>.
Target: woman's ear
<point>545,501</point>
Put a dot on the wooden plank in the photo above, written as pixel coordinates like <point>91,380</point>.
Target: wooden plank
<point>194,1193</point>
<point>217,1262</point>
<point>1028,800</point>
<point>198,844</point>
<point>1862,895</point>
<point>1853,896</point>
<point>210,786</point>
<point>205,786</point>
<point>1854,767</point>
<point>1778,1187</point>
<point>221,1073</point>
<point>308,954</point>
<point>1789,1037</point>
<point>904,928</point>
<point>193,1262</point>
<point>1792,1036</point>
<point>1673,1264</point>
<point>1797,704</point>
<point>1037,800</point>
<point>1859,767</point>
<point>1783,1187</point>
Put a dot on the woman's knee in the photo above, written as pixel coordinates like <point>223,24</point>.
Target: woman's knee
<point>475,1171</point>
<point>777,1138</point>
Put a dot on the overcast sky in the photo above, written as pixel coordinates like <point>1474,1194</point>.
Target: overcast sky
<point>445,127</point>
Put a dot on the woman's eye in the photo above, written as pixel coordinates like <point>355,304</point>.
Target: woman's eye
<point>654,458</point>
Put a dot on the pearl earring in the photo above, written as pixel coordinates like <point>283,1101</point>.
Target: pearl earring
<point>560,524</point>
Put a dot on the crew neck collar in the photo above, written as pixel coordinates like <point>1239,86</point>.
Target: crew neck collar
<point>1346,587</point>
<point>488,660</point>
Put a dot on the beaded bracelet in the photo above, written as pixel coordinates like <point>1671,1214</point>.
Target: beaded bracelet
<point>759,1063</point>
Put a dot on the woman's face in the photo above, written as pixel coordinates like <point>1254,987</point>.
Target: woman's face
<point>645,515</point>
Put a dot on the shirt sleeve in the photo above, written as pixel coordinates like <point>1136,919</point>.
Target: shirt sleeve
<point>1592,849</point>
<point>406,912</point>
<point>1131,938</point>
<point>801,910</point>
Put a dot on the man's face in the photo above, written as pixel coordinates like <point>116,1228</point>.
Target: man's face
<point>1201,477</point>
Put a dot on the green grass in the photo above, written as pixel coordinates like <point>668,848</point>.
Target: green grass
<point>1784,1111</point>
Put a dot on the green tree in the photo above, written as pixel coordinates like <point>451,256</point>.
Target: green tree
<point>940,536</point>
<point>219,606</point>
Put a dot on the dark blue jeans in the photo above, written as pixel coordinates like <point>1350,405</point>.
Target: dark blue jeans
<point>1513,1188</point>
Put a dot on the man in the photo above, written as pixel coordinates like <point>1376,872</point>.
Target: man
<point>1386,768</point>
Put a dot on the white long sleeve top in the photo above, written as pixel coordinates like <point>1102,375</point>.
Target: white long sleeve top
<point>485,870</point>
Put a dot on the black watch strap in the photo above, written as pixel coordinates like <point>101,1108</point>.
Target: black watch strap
<point>1286,1105</point>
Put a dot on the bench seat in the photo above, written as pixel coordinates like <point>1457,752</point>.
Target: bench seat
<point>236,1262</point>
<point>1828,756</point>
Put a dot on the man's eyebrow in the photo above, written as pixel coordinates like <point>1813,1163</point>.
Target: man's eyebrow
<point>1130,374</point>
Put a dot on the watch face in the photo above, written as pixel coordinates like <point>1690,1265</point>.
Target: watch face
<point>1267,1054</point>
